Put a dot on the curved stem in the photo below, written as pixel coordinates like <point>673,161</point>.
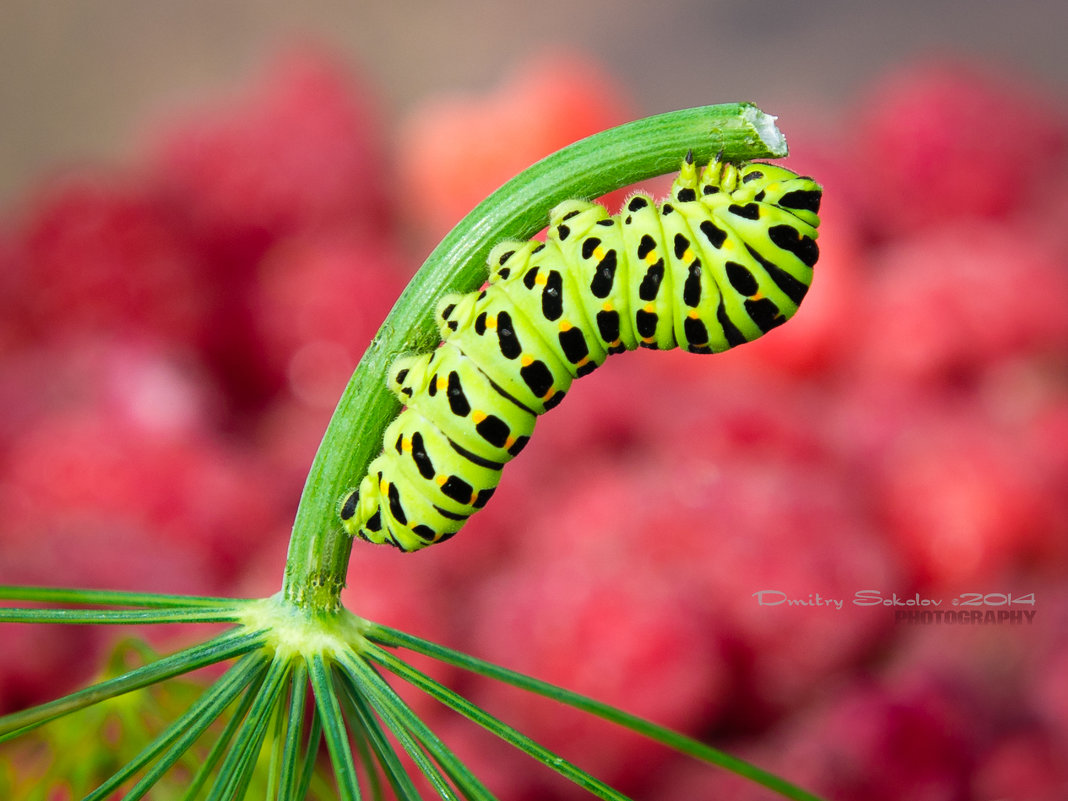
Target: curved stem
<point>319,549</point>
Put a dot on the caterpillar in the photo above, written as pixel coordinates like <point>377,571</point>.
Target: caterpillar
<point>726,257</point>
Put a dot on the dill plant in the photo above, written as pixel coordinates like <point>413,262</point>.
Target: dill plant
<point>304,675</point>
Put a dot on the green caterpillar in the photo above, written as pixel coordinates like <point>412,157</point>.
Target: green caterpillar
<point>725,258</point>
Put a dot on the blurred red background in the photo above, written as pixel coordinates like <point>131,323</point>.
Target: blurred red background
<point>176,325</point>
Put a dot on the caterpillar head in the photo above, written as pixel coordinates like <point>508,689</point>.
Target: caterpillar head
<point>770,183</point>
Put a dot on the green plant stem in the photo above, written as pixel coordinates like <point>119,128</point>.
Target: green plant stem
<point>319,549</point>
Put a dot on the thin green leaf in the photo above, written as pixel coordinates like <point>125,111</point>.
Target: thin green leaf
<point>492,724</point>
<point>310,755</point>
<point>278,741</point>
<point>337,741</point>
<point>222,744</point>
<point>226,646</point>
<point>177,738</point>
<point>359,740</point>
<point>374,739</point>
<point>398,717</point>
<point>70,595</point>
<point>195,614</point>
<point>402,714</point>
<point>289,776</point>
<point>239,763</point>
<point>675,740</point>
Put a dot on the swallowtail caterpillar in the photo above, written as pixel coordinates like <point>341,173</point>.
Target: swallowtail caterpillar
<point>726,257</point>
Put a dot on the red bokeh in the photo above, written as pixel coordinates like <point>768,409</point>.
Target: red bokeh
<point>174,334</point>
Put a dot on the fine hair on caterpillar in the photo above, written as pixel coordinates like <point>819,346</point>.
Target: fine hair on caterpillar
<point>726,257</point>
